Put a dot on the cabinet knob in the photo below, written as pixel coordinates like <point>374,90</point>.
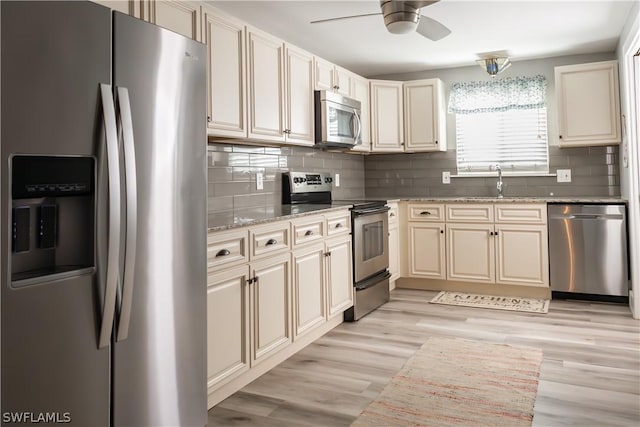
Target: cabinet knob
<point>560,136</point>
<point>441,231</point>
<point>491,233</point>
<point>436,142</point>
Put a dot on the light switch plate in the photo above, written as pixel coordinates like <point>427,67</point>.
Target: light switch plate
<point>337,180</point>
<point>446,177</point>
<point>563,175</point>
<point>259,181</point>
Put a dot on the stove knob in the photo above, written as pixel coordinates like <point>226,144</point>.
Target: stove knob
<point>296,180</point>
<point>328,180</point>
<point>303,179</point>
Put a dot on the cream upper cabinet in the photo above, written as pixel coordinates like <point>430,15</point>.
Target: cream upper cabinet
<point>387,132</point>
<point>328,76</point>
<point>588,104</point>
<point>129,7</point>
<point>226,78</point>
<point>298,116</point>
<point>424,115</point>
<point>360,91</point>
<point>181,16</point>
<point>265,76</point>
<point>228,331</point>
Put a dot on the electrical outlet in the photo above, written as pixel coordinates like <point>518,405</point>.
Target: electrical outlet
<point>563,175</point>
<point>446,177</point>
<point>337,180</point>
<point>259,181</point>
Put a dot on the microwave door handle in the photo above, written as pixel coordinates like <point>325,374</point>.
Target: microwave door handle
<point>359,132</point>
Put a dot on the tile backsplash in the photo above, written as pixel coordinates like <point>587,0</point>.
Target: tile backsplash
<point>594,172</point>
<point>232,173</point>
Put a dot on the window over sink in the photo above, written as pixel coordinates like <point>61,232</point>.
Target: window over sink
<point>501,122</point>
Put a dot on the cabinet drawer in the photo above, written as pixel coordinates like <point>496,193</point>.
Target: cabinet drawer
<point>310,230</point>
<point>339,224</point>
<point>521,214</point>
<point>426,212</point>
<point>224,249</point>
<point>470,212</point>
<point>270,239</point>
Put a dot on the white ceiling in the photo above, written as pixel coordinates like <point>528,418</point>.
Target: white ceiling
<point>525,29</point>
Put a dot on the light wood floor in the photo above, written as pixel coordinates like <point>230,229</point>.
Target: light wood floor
<point>590,375</point>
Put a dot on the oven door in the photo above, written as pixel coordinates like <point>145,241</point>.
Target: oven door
<point>370,243</point>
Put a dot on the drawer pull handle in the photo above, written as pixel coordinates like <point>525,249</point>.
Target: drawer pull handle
<point>223,252</point>
<point>338,225</point>
<point>425,213</point>
<point>271,242</point>
<point>392,214</point>
<point>308,233</point>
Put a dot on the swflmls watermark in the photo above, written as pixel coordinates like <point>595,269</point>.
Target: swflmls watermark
<point>36,417</point>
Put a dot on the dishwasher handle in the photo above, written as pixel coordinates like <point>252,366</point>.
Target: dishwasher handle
<point>589,216</point>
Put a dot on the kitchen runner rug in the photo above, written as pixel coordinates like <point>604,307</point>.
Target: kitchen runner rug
<point>456,382</point>
<point>532,305</point>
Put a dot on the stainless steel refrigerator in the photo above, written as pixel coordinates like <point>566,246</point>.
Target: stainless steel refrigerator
<point>103,219</point>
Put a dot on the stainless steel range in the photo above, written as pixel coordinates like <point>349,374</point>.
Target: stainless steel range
<point>370,243</point>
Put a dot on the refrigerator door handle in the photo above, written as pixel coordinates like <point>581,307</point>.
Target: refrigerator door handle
<point>132,212</point>
<point>113,245</point>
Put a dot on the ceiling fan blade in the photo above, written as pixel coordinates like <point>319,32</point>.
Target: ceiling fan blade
<point>320,21</point>
<point>432,29</point>
<point>419,4</point>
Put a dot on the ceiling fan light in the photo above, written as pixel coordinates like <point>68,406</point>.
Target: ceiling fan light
<point>494,65</point>
<point>402,27</point>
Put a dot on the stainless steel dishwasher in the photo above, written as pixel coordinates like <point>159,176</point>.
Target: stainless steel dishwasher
<point>588,249</point>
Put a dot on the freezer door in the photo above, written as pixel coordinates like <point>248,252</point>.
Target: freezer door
<point>160,367</point>
<point>54,56</point>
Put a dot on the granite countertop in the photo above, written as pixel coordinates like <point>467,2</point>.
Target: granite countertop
<point>256,216</point>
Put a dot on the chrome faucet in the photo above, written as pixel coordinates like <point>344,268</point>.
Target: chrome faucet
<point>499,184</point>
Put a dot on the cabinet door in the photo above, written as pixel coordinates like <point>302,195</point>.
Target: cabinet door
<point>308,288</point>
<point>265,77</point>
<point>339,276</point>
<point>227,325</point>
<point>470,253</point>
<point>226,87</point>
<point>299,97</point>
<point>270,306</point>
<point>588,104</point>
<point>323,74</point>
<point>386,116</point>
<point>341,81</point>
<point>426,250</point>
<point>180,16</point>
<point>522,255</point>
<point>422,116</point>
<point>360,91</point>
<point>130,7</point>
<point>394,252</point>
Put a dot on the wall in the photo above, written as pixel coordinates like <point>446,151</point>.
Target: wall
<point>595,171</point>
<point>232,174</point>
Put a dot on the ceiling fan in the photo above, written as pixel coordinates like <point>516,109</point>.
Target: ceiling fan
<point>403,17</point>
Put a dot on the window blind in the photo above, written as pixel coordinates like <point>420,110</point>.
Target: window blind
<point>514,139</point>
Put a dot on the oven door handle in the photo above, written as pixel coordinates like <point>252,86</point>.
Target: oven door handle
<point>371,211</point>
<point>369,282</point>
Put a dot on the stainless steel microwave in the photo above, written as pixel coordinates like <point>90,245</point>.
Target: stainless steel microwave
<point>337,120</point>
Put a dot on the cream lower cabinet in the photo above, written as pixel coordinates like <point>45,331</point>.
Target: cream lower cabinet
<point>270,300</point>
<point>309,287</point>
<point>339,274</point>
<point>502,243</point>
<point>394,244</point>
<point>427,255</point>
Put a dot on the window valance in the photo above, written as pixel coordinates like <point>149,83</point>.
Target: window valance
<point>510,93</point>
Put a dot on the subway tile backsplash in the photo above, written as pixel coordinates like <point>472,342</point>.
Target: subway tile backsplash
<point>233,168</point>
<point>594,172</point>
